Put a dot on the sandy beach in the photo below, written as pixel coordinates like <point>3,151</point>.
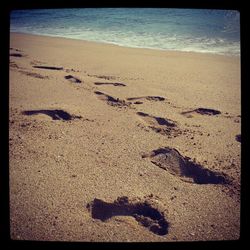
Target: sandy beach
<point>118,144</point>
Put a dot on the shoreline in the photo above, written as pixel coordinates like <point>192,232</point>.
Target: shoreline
<point>117,144</point>
<point>147,48</point>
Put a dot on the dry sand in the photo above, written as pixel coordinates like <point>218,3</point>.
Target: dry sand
<point>109,143</point>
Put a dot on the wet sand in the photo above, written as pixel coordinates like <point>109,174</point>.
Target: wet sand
<point>111,144</point>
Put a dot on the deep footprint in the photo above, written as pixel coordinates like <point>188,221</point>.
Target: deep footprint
<point>54,114</point>
<point>171,160</point>
<point>117,84</point>
<point>202,111</point>
<point>48,67</point>
<point>111,100</point>
<point>143,212</point>
<point>72,79</point>
<point>149,98</point>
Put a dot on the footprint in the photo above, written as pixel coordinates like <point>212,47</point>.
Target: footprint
<point>111,100</point>
<point>33,74</point>
<point>13,65</point>
<point>54,114</point>
<point>48,67</point>
<point>160,125</point>
<point>238,138</point>
<point>72,79</point>
<point>111,83</point>
<point>205,111</point>
<point>16,55</point>
<point>16,49</point>
<point>202,111</point>
<point>71,70</point>
<point>154,120</point>
<point>172,161</point>
<point>102,77</point>
<point>143,212</point>
<point>149,98</point>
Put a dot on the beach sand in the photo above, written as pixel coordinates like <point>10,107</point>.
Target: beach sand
<point>109,143</point>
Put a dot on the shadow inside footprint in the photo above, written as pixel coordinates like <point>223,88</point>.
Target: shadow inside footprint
<point>202,111</point>
<point>157,120</point>
<point>171,160</point>
<point>149,98</point>
<point>72,79</point>
<point>143,212</point>
<point>103,77</point>
<point>162,121</point>
<point>48,67</point>
<point>205,111</point>
<point>142,114</point>
<point>238,138</point>
<point>54,114</point>
<point>107,97</point>
<point>16,55</point>
<point>155,98</point>
<point>111,100</point>
<point>117,84</point>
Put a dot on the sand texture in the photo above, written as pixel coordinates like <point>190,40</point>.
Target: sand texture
<point>108,143</point>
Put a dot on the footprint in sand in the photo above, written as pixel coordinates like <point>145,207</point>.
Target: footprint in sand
<point>16,55</point>
<point>143,212</point>
<point>102,77</point>
<point>111,100</point>
<point>172,161</point>
<point>71,70</point>
<point>202,111</point>
<point>149,98</point>
<point>160,125</point>
<point>238,138</point>
<point>48,67</point>
<point>117,84</point>
<point>16,49</point>
<point>56,114</point>
<point>13,65</point>
<point>72,79</point>
<point>33,74</point>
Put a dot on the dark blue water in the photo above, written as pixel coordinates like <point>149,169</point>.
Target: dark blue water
<point>211,31</point>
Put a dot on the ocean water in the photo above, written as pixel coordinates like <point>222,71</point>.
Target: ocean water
<point>196,30</point>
